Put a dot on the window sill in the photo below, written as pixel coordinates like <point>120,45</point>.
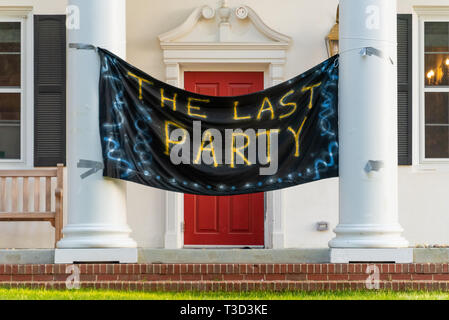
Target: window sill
<point>14,165</point>
<point>431,167</point>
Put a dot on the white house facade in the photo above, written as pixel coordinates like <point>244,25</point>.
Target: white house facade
<point>170,39</point>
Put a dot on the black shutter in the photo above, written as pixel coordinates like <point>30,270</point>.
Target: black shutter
<point>404,89</point>
<point>49,90</point>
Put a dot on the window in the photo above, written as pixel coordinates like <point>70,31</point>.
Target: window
<point>436,91</point>
<point>11,90</point>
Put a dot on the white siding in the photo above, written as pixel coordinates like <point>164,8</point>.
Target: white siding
<point>423,195</point>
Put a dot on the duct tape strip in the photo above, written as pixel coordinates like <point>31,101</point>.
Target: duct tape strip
<point>94,167</point>
<point>82,46</point>
<point>374,165</point>
<point>370,51</point>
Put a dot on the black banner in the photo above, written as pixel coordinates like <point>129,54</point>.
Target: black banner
<point>164,137</point>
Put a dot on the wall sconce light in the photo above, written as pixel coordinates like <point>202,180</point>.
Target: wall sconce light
<point>333,37</point>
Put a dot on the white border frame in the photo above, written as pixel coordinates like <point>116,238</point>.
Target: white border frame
<point>25,16</point>
<point>424,14</point>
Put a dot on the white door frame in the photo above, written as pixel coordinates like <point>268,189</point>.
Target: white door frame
<point>268,58</point>
<point>226,53</point>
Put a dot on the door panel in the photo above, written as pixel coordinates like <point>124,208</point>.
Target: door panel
<point>239,89</point>
<point>206,216</point>
<point>208,89</point>
<point>227,220</point>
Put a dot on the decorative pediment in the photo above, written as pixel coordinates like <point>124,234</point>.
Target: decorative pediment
<point>224,26</point>
<point>224,36</point>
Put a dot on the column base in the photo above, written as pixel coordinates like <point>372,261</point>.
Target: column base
<point>352,255</point>
<point>368,236</point>
<point>119,255</point>
<point>96,236</point>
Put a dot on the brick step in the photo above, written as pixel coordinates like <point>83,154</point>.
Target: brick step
<point>229,276</point>
<point>230,269</point>
<point>236,286</point>
<point>224,277</point>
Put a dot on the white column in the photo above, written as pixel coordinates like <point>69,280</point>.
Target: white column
<point>368,127</point>
<point>96,206</point>
<point>174,217</point>
<point>275,220</point>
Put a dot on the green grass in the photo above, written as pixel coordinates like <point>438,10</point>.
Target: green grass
<point>84,294</point>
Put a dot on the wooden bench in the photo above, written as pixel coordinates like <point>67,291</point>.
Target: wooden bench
<point>33,195</point>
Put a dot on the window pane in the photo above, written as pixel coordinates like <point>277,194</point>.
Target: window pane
<point>10,38</point>
<point>9,70</point>
<point>10,106</point>
<point>437,36</point>
<point>437,69</point>
<point>437,141</point>
<point>437,108</point>
<point>436,53</point>
<point>10,126</point>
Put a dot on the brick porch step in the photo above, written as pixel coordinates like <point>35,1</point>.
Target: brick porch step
<point>233,286</point>
<point>229,277</point>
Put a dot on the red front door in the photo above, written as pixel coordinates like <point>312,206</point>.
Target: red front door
<point>228,220</point>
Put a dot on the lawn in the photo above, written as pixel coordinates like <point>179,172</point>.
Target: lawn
<point>84,294</point>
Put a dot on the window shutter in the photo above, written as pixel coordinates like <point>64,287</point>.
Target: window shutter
<point>49,90</point>
<point>404,89</point>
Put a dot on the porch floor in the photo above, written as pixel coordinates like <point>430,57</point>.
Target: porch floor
<point>218,256</point>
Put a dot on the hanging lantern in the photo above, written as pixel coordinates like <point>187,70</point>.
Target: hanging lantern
<point>333,37</point>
